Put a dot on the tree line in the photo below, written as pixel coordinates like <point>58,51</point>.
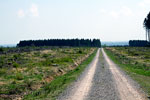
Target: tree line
<point>143,43</point>
<point>61,42</point>
<point>138,43</point>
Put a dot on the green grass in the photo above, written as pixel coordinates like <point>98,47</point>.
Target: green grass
<point>135,70</point>
<point>129,67</point>
<point>28,69</point>
<point>53,89</point>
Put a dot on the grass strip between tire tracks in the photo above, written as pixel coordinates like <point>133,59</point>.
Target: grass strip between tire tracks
<point>51,90</point>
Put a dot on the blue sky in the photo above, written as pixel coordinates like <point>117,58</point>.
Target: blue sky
<point>109,20</point>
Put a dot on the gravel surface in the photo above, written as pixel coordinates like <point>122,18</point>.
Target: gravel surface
<point>103,87</point>
<point>102,80</point>
<point>127,88</point>
<point>80,88</point>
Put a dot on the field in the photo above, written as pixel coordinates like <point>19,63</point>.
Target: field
<point>24,71</point>
<point>135,61</point>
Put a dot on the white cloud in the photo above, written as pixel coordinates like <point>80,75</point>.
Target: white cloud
<point>103,11</point>
<point>126,11</point>
<point>31,12</point>
<point>21,13</point>
<point>114,14</point>
<point>144,3</point>
<point>34,10</point>
<point>123,11</point>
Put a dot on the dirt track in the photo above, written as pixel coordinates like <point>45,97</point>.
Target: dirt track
<point>102,80</point>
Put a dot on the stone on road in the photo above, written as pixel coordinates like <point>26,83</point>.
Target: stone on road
<point>102,80</point>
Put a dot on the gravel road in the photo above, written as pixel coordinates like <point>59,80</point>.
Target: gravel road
<point>103,80</point>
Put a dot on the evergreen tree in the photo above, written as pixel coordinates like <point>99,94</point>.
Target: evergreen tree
<point>61,42</point>
<point>146,25</point>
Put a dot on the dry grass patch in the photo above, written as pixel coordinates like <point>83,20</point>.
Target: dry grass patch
<point>135,61</point>
<point>26,72</point>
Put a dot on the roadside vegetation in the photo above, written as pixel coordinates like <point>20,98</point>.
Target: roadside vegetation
<point>38,70</point>
<point>135,61</point>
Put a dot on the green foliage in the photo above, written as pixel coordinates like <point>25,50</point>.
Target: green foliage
<point>28,69</point>
<point>16,65</point>
<point>19,76</point>
<point>66,59</point>
<point>36,54</point>
<point>45,55</point>
<point>129,65</point>
<point>61,42</point>
<point>47,62</point>
<point>1,62</point>
<point>80,51</point>
<point>139,71</point>
<point>53,89</point>
<point>16,57</point>
<point>3,71</point>
<point>1,49</point>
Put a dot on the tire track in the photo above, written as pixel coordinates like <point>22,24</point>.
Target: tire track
<point>102,80</point>
<point>79,90</point>
<point>126,90</point>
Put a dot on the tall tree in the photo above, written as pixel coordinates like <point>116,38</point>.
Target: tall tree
<point>146,25</point>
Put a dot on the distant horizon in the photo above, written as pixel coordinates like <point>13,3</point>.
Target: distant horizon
<point>102,42</point>
<point>61,38</point>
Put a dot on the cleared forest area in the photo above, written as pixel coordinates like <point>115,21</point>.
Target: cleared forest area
<point>135,61</point>
<point>23,72</point>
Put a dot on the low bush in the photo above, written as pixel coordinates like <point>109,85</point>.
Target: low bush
<point>1,49</point>
<point>19,76</point>
<point>15,65</point>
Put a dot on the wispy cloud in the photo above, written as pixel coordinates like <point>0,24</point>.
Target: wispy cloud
<point>31,12</point>
<point>144,3</point>
<point>21,13</point>
<point>114,14</point>
<point>126,11</point>
<point>123,11</point>
<point>103,11</point>
<point>34,10</point>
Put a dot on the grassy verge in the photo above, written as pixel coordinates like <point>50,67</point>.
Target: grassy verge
<point>53,89</point>
<point>141,75</point>
<point>23,72</point>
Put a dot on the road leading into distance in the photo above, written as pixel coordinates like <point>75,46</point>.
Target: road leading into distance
<point>103,80</point>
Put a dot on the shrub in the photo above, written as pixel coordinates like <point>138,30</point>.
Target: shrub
<point>19,76</point>
<point>45,55</point>
<point>37,54</point>
<point>80,52</point>
<point>15,65</point>
<point>1,49</point>
<point>66,59</point>
<point>3,71</point>
<point>29,83</point>
<point>146,56</point>
<point>15,56</point>
<point>47,62</point>
<point>1,63</point>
